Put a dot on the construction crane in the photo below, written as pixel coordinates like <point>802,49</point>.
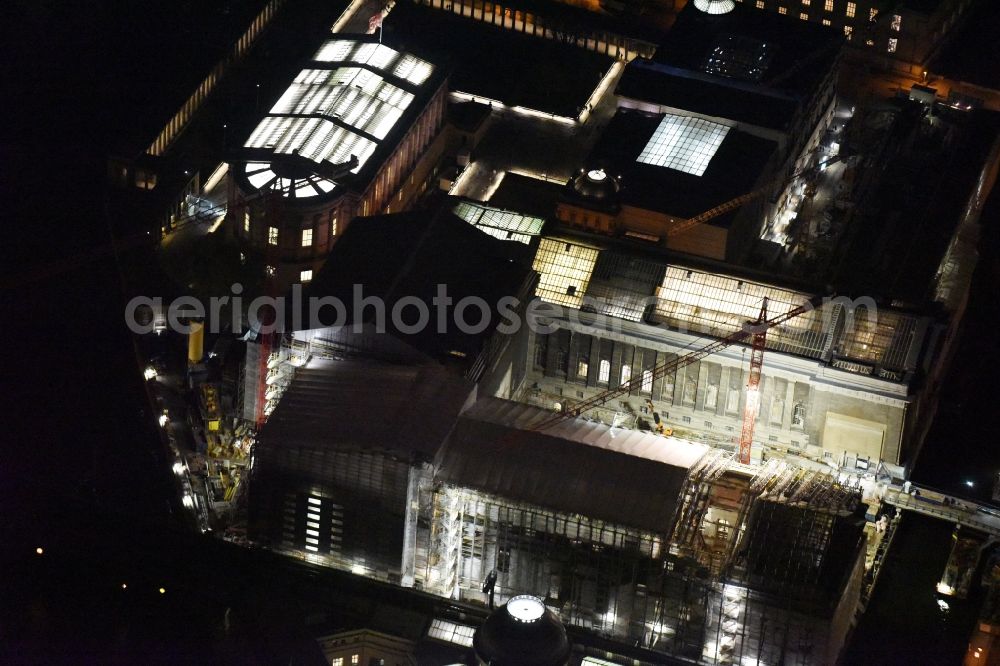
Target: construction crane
<point>736,202</point>
<point>753,383</point>
<point>756,331</point>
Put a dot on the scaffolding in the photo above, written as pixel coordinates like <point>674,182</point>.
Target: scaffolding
<point>751,571</point>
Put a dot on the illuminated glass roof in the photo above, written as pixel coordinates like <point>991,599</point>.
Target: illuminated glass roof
<point>262,176</point>
<point>564,270</point>
<point>683,143</point>
<point>330,114</point>
<point>715,6</point>
<point>502,224</point>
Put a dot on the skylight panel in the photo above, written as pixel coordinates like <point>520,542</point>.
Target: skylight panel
<point>564,270</point>
<point>683,143</point>
<point>502,224</point>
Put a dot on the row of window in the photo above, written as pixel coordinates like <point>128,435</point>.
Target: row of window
<point>273,232</point>
<point>339,661</point>
<point>895,24</point>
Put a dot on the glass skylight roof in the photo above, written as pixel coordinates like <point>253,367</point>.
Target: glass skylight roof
<point>261,176</point>
<point>332,114</point>
<point>564,270</point>
<point>683,143</point>
<point>401,65</point>
<point>502,224</point>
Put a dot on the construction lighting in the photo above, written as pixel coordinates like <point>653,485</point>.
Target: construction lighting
<point>945,588</point>
<point>164,420</point>
<point>39,551</point>
<point>970,483</point>
<point>178,468</point>
<point>149,373</point>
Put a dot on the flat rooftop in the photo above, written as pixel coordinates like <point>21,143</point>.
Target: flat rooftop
<point>751,46</point>
<point>527,195</point>
<point>746,65</point>
<point>731,170</point>
<point>500,64</point>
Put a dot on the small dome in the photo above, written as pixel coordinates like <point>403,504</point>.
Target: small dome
<point>596,184</point>
<point>523,632</point>
<point>715,6</point>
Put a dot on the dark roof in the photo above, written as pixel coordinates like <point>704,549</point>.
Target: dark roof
<point>468,116</point>
<point>500,64</point>
<point>410,254</point>
<point>706,94</point>
<point>527,195</point>
<point>792,43</point>
<point>628,477</point>
<point>734,170</point>
<point>360,405</point>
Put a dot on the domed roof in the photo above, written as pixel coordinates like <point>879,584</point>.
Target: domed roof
<point>715,6</point>
<point>596,184</point>
<point>523,632</point>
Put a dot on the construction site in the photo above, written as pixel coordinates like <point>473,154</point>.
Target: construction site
<point>696,453</point>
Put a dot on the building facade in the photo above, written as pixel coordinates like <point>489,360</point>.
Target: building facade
<point>837,380</point>
<point>902,35</point>
<point>344,140</point>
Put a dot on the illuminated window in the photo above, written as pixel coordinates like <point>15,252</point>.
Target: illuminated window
<point>305,276</point>
<point>826,21</point>
<point>270,270</point>
<point>847,31</point>
<point>760,4</point>
<point>355,659</point>
<point>246,221</point>
<point>852,7</point>
<point>339,661</point>
<point>805,2</point>
<point>565,270</point>
<point>828,6</point>
<point>782,10</point>
<point>647,381</point>
<point>307,237</point>
<point>581,368</point>
<point>333,226</point>
<point>897,22</point>
<point>872,13</point>
<point>272,235</point>
<point>869,42</point>
<point>893,42</point>
<point>604,371</point>
<point>626,374</point>
<point>804,16</point>
<point>683,143</point>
